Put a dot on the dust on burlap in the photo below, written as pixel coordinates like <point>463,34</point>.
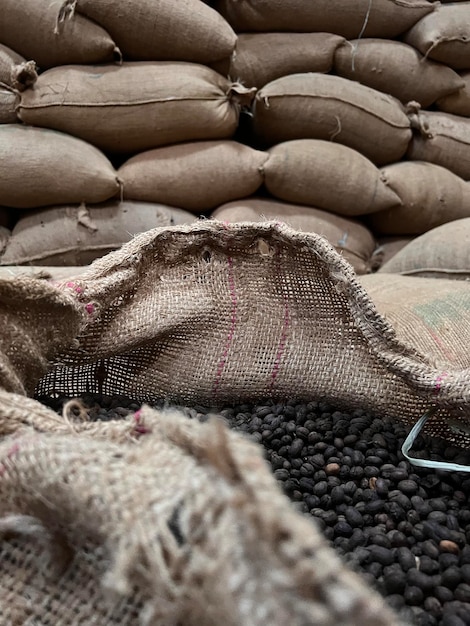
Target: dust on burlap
<point>162,520</point>
<point>215,313</point>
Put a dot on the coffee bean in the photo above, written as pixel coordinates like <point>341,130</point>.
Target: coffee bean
<point>413,595</point>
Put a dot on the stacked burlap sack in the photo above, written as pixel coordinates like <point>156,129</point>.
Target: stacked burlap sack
<point>113,81</point>
<point>364,110</point>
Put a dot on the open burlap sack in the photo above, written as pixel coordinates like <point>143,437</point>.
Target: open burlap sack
<point>136,106</point>
<point>260,58</point>
<point>41,167</point>
<point>159,520</point>
<point>443,35</point>
<point>76,235</point>
<point>395,68</point>
<point>38,31</point>
<point>152,30</point>
<point>215,313</point>
<point>443,252</point>
<point>431,195</point>
<point>196,176</point>
<point>319,106</point>
<point>381,18</point>
<point>457,103</point>
<point>443,139</point>
<point>345,181</point>
<point>349,237</point>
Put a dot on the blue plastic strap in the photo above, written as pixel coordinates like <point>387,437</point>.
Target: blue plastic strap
<point>409,441</point>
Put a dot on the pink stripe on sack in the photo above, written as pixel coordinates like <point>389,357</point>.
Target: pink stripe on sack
<point>233,324</point>
<point>438,384</point>
<point>282,344</point>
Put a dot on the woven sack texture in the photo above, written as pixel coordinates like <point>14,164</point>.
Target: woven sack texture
<point>443,35</point>
<point>158,519</point>
<point>443,252</point>
<point>8,102</point>
<point>76,235</point>
<point>151,30</point>
<point>398,69</point>
<point>349,237</point>
<point>382,18</point>
<point>431,195</point>
<point>346,182</point>
<point>387,248</point>
<point>214,312</point>
<point>196,176</point>
<point>262,57</point>
<point>458,102</point>
<point>41,167</point>
<point>37,31</point>
<point>443,139</point>
<point>319,106</point>
<point>134,107</point>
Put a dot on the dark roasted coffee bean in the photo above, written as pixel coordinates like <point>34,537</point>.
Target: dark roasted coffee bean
<point>413,595</point>
<point>406,558</point>
<point>451,577</point>
<point>462,593</point>
<point>419,579</point>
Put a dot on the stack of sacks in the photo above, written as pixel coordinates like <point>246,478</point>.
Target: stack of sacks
<point>342,109</point>
<point>114,80</point>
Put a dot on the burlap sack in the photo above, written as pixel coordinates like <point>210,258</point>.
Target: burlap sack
<point>5,217</point>
<point>381,18</point>
<point>76,235</point>
<point>349,237</point>
<point>9,60</point>
<point>443,139</point>
<point>152,30</point>
<point>387,248</point>
<point>262,57</point>
<point>457,103</point>
<point>443,35</point>
<point>38,322</point>
<point>4,237</point>
<point>318,106</point>
<point>159,520</point>
<point>134,107</point>
<point>37,31</point>
<point>216,313</point>
<point>443,252</point>
<point>431,195</point>
<point>345,182</point>
<point>40,167</point>
<point>430,314</point>
<point>8,102</point>
<point>51,273</point>
<point>397,69</point>
<point>196,176</point>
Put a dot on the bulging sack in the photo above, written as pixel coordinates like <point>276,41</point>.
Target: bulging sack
<point>196,176</point>
<point>387,248</point>
<point>9,61</point>
<point>429,313</point>
<point>260,58</point>
<point>136,106</point>
<point>443,252</point>
<point>442,139</point>
<point>8,102</point>
<point>457,103</point>
<point>431,195</point>
<point>395,68</point>
<point>37,31</point>
<point>319,106</point>
<point>381,18</point>
<point>41,167</point>
<point>443,35</point>
<point>152,30</point>
<point>76,235</point>
<point>327,176</point>
<point>349,237</point>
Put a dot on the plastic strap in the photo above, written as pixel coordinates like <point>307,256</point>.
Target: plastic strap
<point>409,441</point>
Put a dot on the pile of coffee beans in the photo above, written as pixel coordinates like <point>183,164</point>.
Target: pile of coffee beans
<point>403,528</point>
